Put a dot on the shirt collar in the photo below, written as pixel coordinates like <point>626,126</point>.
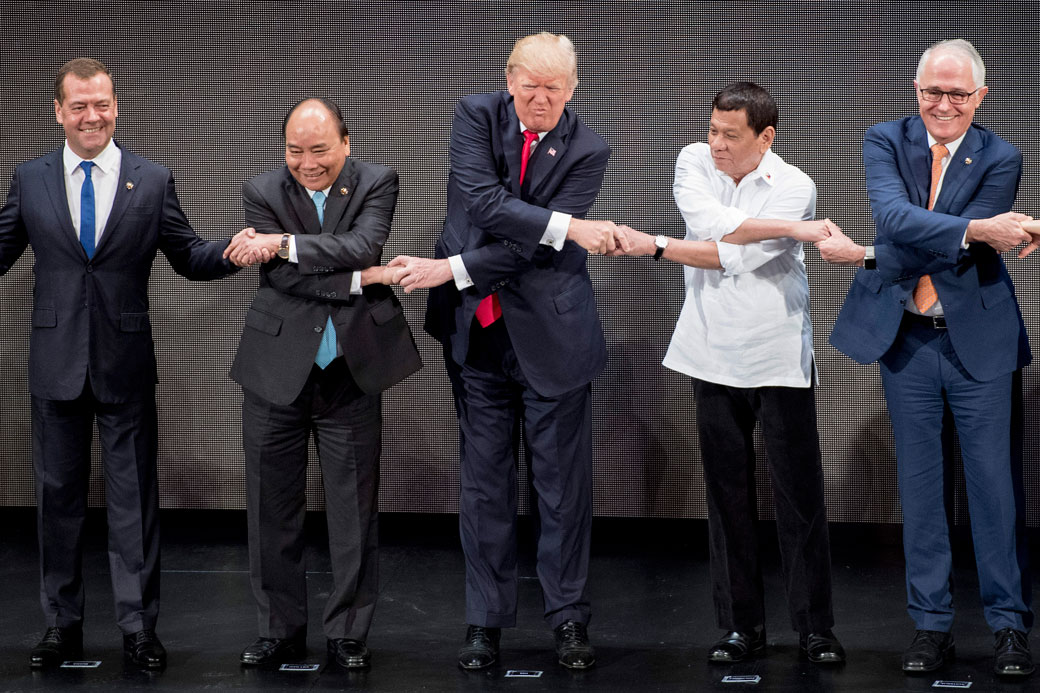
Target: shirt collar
<point>766,170</point>
<point>106,161</point>
<point>312,193</point>
<point>951,147</point>
<point>541,135</point>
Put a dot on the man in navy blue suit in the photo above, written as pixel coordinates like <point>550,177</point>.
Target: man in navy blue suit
<point>95,215</point>
<point>935,307</point>
<point>514,308</point>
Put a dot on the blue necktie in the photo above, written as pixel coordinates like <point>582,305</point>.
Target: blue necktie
<point>327,348</point>
<point>86,210</point>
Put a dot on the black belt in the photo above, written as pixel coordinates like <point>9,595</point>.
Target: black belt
<point>932,322</point>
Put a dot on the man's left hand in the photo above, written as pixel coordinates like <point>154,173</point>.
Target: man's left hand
<point>419,273</point>
<point>839,249</point>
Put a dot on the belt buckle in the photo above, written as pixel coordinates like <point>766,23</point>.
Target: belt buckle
<point>938,321</point>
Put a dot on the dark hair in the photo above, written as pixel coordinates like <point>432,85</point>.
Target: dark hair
<point>330,106</point>
<point>82,68</point>
<point>755,101</point>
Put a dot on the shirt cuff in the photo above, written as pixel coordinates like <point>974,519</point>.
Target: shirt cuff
<point>293,257</point>
<point>729,221</point>
<point>556,232</point>
<point>458,270</point>
<point>355,284</point>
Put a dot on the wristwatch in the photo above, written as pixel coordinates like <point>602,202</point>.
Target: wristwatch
<point>661,242</point>
<point>283,247</point>
<point>869,261</point>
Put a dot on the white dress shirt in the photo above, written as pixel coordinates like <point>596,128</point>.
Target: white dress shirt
<point>105,178</point>
<point>355,277</point>
<point>746,325</point>
<point>555,233</point>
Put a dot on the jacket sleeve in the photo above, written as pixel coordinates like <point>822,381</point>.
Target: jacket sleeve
<point>13,236</point>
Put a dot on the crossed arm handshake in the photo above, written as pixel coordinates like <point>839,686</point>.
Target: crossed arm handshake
<point>1002,232</point>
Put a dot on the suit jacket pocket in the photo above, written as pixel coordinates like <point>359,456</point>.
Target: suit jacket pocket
<point>572,297</point>
<point>385,311</point>
<point>134,322</point>
<point>992,294</point>
<point>44,317</point>
<point>264,322</point>
<point>141,211</point>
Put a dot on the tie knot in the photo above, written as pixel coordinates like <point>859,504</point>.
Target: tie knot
<point>939,151</point>
<point>86,166</point>
<point>529,137</point>
<point>319,197</point>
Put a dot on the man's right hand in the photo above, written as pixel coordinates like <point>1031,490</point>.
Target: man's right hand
<point>596,236</point>
<point>1002,232</point>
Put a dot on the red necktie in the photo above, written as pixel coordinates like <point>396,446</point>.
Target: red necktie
<point>925,295</point>
<point>489,309</point>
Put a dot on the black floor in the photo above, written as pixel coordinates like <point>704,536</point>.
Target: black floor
<point>651,627</point>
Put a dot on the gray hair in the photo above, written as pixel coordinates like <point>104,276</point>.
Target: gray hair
<point>962,48</point>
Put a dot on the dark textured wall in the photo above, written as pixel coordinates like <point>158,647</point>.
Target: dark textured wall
<point>203,88</point>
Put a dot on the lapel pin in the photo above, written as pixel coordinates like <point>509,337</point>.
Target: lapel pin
<point>129,185</point>
<point>343,191</point>
<point>967,161</point>
<point>552,151</point>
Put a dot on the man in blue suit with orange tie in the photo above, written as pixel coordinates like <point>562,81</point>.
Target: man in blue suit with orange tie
<point>515,311</point>
<point>935,307</point>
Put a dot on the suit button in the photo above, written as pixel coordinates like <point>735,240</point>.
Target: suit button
<point>90,268</point>
<point>318,329</point>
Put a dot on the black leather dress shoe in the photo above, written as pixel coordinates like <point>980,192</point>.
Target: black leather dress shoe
<point>144,649</point>
<point>480,649</point>
<point>273,651</point>
<point>929,650</point>
<point>737,646</point>
<point>349,654</point>
<point>1011,653</point>
<point>821,648</point>
<point>58,645</point>
<point>572,645</point>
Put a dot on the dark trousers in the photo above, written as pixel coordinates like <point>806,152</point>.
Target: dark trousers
<point>347,428</point>
<point>62,432</point>
<point>922,375</point>
<point>490,394</point>
<point>725,421</point>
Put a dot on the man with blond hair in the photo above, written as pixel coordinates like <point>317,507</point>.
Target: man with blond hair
<point>514,309</point>
<point>935,307</point>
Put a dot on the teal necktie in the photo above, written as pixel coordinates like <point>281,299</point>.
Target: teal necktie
<point>327,348</point>
<point>86,210</point>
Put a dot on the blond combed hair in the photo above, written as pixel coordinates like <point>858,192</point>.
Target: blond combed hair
<point>545,54</point>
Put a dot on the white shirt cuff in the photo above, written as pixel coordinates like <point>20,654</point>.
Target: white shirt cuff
<point>556,232</point>
<point>355,283</point>
<point>458,270</point>
<point>293,257</point>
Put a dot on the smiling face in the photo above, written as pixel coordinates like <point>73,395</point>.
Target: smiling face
<point>539,100</point>
<point>948,71</point>
<point>314,150</point>
<point>735,148</point>
<point>88,113</point>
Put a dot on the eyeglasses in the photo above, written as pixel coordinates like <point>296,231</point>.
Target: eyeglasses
<point>956,97</point>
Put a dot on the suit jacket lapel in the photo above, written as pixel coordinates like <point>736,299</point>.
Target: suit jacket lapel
<point>301,204</point>
<point>129,168</point>
<point>55,182</point>
<point>545,156</point>
<point>512,144</point>
<point>919,157</point>
<point>959,170</point>
<point>339,195</point>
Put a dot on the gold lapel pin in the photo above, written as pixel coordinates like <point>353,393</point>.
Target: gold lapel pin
<point>129,185</point>
<point>343,191</point>
<point>967,161</point>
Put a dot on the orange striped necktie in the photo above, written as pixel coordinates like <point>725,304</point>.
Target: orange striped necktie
<point>924,293</point>
<point>489,310</point>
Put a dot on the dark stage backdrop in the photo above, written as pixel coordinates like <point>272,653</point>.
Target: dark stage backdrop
<point>203,88</point>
